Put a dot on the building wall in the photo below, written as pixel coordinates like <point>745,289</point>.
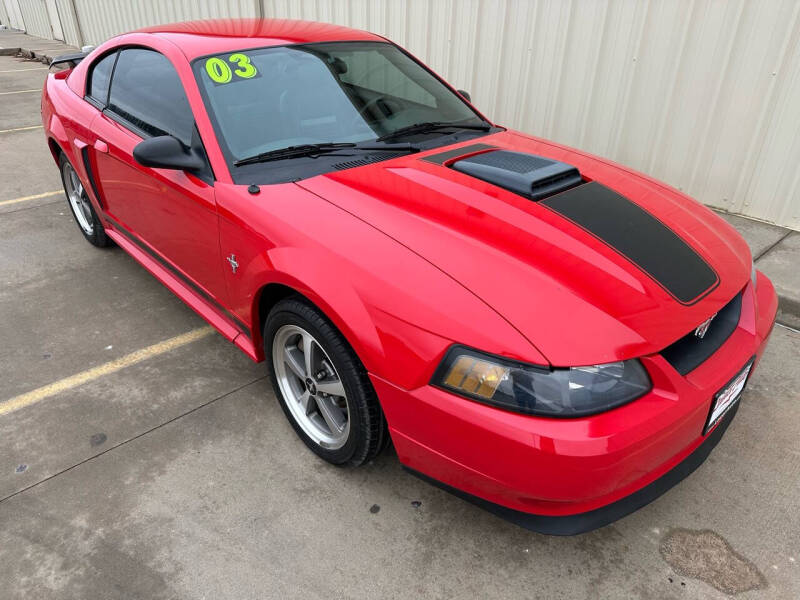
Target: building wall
<point>34,14</point>
<point>69,23</point>
<point>703,94</point>
<point>13,14</point>
<point>99,23</point>
<point>4,17</point>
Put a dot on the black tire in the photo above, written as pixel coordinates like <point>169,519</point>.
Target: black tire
<point>368,434</point>
<point>98,235</point>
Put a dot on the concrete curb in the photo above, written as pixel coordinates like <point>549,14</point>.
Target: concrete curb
<point>40,55</point>
<point>30,54</point>
<point>788,312</point>
<point>44,55</point>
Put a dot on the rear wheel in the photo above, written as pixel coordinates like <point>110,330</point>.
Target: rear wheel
<point>322,386</point>
<point>80,205</point>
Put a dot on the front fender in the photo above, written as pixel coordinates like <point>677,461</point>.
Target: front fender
<point>313,274</point>
<point>399,312</point>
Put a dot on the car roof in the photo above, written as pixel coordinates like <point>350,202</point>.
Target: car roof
<point>200,38</point>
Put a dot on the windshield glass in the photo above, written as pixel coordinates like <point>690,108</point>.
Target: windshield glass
<point>271,98</point>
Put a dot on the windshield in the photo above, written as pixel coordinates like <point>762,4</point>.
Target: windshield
<point>272,98</point>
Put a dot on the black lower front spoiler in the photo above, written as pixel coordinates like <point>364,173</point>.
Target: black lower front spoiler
<point>587,521</point>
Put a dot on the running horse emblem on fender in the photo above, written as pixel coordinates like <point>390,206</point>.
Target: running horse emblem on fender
<point>232,260</point>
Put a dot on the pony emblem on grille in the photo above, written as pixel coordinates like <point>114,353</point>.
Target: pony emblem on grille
<point>701,330</point>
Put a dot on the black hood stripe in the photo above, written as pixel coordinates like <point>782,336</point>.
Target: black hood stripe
<point>638,236</point>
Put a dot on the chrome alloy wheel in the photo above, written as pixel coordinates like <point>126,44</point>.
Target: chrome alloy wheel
<point>78,200</point>
<point>311,387</point>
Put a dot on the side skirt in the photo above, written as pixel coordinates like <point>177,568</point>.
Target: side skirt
<point>197,303</point>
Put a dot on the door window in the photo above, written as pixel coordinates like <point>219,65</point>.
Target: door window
<point>147,94</point>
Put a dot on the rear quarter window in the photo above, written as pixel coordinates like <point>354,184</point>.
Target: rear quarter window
<point>100,78</point>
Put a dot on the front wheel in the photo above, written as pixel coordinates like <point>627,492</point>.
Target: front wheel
<point>322,386</point>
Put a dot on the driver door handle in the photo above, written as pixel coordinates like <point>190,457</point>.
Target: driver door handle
<point>100,146</point>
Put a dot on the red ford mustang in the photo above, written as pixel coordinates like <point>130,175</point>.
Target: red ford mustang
<point>545,333</point>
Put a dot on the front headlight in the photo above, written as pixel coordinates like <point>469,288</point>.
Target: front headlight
<point>536,390</point>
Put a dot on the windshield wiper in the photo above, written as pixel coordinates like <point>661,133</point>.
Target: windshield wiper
<point>432,126</point>
<point>321,148</point>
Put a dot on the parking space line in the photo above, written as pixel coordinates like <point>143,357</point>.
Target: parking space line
<point>34,197</point>
<point>37,395</point>
<point>21,128</point>
<point>19,92</point>
<point>21,70</point>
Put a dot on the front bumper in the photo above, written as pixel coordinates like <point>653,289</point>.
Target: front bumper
<point>567,476</point>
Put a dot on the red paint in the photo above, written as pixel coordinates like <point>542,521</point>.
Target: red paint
<point>408,257</point>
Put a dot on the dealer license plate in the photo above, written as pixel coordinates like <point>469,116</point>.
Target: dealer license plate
<point>727,397</point>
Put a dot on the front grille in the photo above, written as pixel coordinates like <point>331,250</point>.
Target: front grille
<point>690,351</point>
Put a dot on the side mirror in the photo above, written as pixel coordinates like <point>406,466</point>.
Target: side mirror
<point>465,94</point>
<point>166,152</point>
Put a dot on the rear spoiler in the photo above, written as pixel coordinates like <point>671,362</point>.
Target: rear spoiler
<point>69,59</point>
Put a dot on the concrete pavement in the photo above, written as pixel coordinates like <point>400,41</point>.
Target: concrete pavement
<point>179,476</point>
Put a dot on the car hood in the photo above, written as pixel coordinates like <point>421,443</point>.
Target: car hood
<point>574,296</point>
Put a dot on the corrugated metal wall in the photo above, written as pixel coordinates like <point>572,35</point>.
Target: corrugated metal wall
<point>13,14</point>
<point>101,19</point>
<point>69,23</point>
<point>704,94</point>
<point>34,14</point>
<point>4,18</point>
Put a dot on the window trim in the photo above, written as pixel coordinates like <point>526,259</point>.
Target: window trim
<point>116,117</point>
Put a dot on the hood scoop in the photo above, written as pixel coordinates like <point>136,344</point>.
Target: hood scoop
<point>528,175</point>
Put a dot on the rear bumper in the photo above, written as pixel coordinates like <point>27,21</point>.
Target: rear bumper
<point>568,476</point>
